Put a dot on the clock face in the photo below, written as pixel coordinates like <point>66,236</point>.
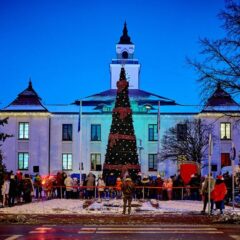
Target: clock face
<point>125,55</point>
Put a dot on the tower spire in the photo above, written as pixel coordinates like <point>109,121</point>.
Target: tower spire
<point>125,39</point>
<point>30,83</point>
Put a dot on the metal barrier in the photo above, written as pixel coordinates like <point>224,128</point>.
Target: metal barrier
<point>141,192</point>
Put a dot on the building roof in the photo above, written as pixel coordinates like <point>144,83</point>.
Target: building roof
<point>140,96</point>
<point>221,101</point>
<point>28,100</point>
<point>99,109</point>
<point>125,39</point>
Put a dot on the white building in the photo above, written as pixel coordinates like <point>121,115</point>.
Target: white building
<point>74,137</point>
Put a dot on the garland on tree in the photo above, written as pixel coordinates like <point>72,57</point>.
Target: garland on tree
<point>113,138</point>
<point>123,112</point>
<point>121,85</point>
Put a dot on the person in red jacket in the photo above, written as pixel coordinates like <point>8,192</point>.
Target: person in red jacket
<point>219,192</point>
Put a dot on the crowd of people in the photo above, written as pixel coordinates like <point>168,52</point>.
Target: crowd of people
<point>19,188</point>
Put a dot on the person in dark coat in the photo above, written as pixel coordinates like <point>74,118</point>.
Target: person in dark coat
<point>111,183</point>
<point>138,184</point>
<point>19,190</point>
<point>59,182</point>
<point>178,187</point>
<point>195,187</point>
<point>159,185</point>
<point>228,183</point>
<point>38,186</point>
<point>127,190</point>
<point>12,190</point>
<point>145,183</point>
<point>27,188</point>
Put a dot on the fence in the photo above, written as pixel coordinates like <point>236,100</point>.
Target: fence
<point>108,192</point>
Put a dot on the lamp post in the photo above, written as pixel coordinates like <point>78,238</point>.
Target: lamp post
<point>158,143</point>
<point>210,151</point>
<point>232,157</point>
<point>80,138</point>
<point>79,103</point>
<point>140,148</point>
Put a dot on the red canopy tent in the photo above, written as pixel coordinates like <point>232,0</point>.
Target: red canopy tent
<point>186,170</point>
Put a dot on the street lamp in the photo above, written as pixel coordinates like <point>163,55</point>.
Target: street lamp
<point>148,106</point>
<point>210,152</point>
<point>158,144</point>
<point>232,157</point>
<point>79,103</point>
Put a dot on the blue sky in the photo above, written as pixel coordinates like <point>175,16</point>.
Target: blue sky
<point>66,46</point>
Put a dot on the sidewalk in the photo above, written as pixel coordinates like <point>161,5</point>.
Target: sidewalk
<point>110,212</point>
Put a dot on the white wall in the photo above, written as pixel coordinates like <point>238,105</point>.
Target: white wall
<point>36,146</point>
<point>132,75</point>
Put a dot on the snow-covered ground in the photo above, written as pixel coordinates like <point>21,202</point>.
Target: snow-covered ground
<point>67,206</point>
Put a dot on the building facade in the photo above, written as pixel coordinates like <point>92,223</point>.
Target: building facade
<point>73,137</point>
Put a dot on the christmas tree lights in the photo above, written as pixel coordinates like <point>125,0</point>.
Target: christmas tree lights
<point>121,157</point>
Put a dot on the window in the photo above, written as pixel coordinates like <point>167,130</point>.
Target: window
<point>225,159</point>
<point>125,55</point>
<point>96,162</point>
<point>152,162</point>
<point>181,132</point>
<point>23,130</point>
<point>225,131</point>
<point>67,132</point>
<point>67,161</point>
<point>152,132</point>
<point>23,161</point>
<point>95,132</point>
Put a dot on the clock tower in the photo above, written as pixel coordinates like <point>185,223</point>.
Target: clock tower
<point>125,56</point>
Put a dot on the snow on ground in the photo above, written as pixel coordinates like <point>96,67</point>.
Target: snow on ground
<point>70,206</point>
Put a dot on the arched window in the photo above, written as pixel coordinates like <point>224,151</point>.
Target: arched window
<point>125,55</point>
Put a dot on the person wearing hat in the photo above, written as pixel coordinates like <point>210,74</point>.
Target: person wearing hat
<point>127,190</point>
<point>204,192</point>
<point>145,185</point>
<point>159,185</point>
<point>219,192</point>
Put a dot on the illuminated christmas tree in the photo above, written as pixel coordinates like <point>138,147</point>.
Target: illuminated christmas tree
<point>121,157</point>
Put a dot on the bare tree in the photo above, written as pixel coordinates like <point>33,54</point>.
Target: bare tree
<point>221,57</point>
<point>3,137</point>
<point>188,139</point>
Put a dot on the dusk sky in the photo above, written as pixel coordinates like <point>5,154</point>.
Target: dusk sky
<point>66,46</point>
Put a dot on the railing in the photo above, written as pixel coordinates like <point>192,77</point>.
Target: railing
<point>112,192</point>
<point>125,61</point>
<point>107,192</point>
